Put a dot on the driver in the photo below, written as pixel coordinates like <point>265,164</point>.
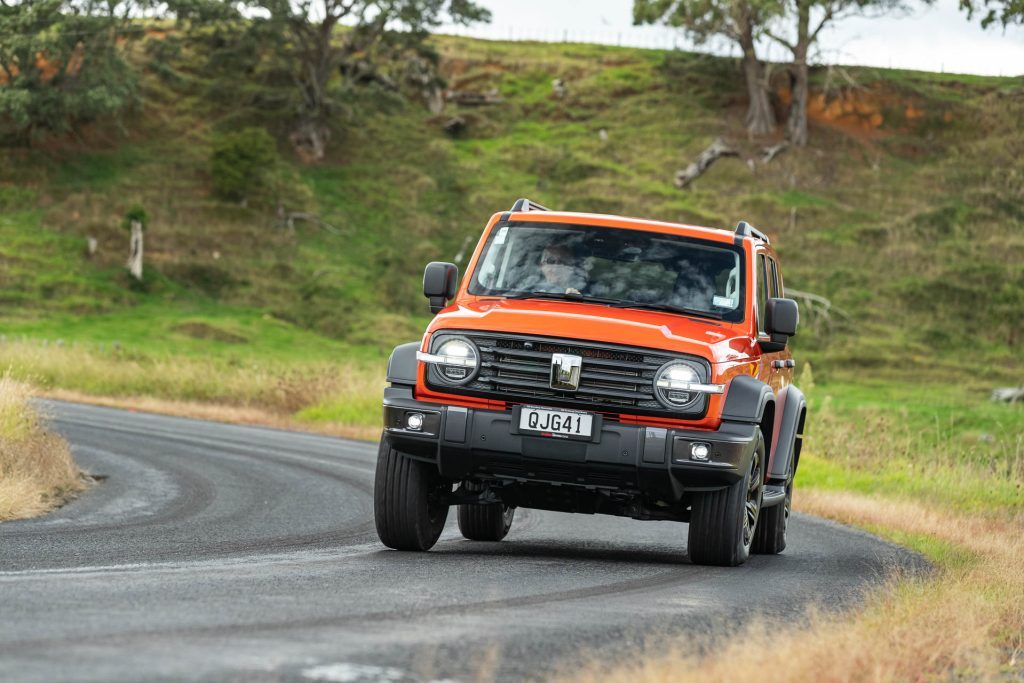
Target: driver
<point>560,272</point>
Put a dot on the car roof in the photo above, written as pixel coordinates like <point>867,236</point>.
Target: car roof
<point>610,221</point>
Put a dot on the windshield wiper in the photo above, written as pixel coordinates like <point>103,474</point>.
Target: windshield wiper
<point>582,298</point>
<point>614,303</point>
<point>668,308</point>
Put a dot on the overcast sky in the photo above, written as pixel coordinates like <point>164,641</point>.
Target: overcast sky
<point>936,38</point>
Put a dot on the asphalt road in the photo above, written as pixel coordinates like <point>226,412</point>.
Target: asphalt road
<point>235,553</point>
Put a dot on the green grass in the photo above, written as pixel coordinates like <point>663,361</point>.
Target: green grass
<point>914,231</point>
<point>191,330</point>
<point>921,442</point>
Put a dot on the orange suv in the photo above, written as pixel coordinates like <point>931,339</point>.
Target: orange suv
<point>598,364</point>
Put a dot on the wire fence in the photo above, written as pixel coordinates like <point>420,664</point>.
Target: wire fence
<point>653,39</point>
<point>658,38</point>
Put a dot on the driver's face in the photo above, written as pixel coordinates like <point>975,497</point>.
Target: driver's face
<point>556,266</point>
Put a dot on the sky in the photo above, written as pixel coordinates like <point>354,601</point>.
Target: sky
<point>931,38</point>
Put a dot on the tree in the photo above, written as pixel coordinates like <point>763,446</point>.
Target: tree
<point>330,43</point>
<point>740,21</point>
<point>134,220</point>
<point>241,163</point>
<point>61,64</point>
<point>806,31</point>
<point>1005,12</point>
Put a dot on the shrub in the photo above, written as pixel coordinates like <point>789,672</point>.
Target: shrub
<point>136,213</point>
<point>242,163</point>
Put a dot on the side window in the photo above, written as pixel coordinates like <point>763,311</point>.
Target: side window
<point>776,281</point>
<point>762,291</point>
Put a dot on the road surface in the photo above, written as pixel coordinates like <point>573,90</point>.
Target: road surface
<point>231,553</point>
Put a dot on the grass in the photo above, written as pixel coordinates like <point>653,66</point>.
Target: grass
<point>932,203</point>
<point>919,441</point>
<point>342,396</point>
<point>912,228</point>
<point>37,472</point>
<point>906,462</point>
<point>965,622</point>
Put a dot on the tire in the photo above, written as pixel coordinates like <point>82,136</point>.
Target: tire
<point>406,506</point>
<point>770,537</point>
<point>485,522</point>
<point>723,523</point>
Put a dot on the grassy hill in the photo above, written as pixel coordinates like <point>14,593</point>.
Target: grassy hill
<point>905,212</point>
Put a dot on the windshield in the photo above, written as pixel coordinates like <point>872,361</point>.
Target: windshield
<point>613,265</point>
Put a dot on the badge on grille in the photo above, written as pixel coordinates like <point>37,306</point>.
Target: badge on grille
<point>565,371</point>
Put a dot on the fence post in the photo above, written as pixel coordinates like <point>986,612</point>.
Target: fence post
<point>135,251</point>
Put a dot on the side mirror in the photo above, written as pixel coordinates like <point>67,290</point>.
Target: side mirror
<point>781,318</point>
<point>439,284</point>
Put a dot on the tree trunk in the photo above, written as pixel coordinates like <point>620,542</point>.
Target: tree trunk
<point>1008,394</point>
<point>135,251</point>
<point>796,126</point>
<point>760,115</point>
<point>310,141</point>
<point>318,63</point>
<point>717,149</point>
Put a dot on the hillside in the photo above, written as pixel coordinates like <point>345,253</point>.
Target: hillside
<point>899,227</point>
<point>905,212</point>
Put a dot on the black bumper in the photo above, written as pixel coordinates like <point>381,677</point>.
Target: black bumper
<point>481,444</point>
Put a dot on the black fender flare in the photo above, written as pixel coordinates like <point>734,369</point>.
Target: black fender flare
<point>750,401</point>
<point>788,434</point>
<point>746,399</point>
<point>402,364</point>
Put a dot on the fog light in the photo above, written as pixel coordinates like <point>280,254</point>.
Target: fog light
<point>700,451</point>
<point>414,421</point>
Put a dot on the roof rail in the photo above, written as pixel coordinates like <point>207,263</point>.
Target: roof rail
<point>745,229</point>
<point>525,204</point>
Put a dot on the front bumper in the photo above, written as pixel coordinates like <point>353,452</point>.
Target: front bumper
<point>655,462</point>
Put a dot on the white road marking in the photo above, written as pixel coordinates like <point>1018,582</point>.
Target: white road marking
<point>325,555</point>
<point>345,672</point>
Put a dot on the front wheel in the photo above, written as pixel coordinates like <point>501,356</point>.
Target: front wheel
<point>723,523</point>
<point>485,522</point>
<point>770,537</point>
<point>407,501</point>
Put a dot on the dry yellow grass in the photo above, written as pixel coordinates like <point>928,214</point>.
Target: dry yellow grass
<point>966,622</point>
<point>37,472</point>
<point>281,387</point>
<point>341,398</point>
<point>216,412</point>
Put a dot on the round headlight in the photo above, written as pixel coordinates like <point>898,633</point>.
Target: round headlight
<point>671,382</point>
<point>458,361</point>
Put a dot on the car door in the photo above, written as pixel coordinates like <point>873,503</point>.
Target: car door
<point>774,371</point>
<point>783,364</point>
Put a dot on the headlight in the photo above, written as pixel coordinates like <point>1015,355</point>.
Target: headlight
<point>680,385</point>
<point>456,360</point>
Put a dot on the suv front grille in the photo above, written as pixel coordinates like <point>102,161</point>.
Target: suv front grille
<point>517,369</point>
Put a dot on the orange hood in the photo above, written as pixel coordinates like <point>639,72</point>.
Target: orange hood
<point>714,340</point>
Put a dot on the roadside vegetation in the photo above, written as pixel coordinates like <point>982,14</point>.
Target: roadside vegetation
<point>338,397</point>
<point>965,622</point>
<point>943,476</point>
<point>903,215</point>
<point>37,472</point>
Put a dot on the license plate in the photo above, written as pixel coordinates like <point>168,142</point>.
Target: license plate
<point>556,423</point>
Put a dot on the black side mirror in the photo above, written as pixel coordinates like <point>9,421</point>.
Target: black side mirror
<point>780,321</point>
<point>439,284</point>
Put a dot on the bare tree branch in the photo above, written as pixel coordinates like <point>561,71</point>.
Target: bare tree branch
<point>716,150</point>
